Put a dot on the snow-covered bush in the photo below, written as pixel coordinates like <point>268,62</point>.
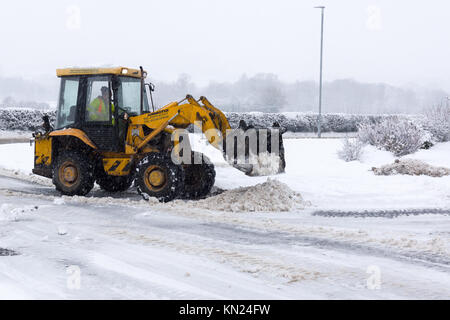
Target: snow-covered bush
<point>351,150</point>
<point>30,119</point>
<point>307,122</point>
<point>437,121</point>
<point>399,136</point>
<point>23,119</point>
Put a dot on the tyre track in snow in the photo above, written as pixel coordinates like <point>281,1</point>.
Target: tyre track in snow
<point>258,251</point>
<point>425,254</point>
<point>251,236</point>
<point>320,237</point>
<point>204,245</point>
<point>17,182</point>
<point>256,237</point>
<point>380,213</point>
<point>269,259</point>
<point>99,267</point>
<point>239,257</point>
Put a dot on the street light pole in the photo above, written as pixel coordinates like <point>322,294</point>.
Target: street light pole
<point>319,129</point>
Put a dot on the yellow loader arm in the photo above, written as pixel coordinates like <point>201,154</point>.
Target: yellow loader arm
<point>208,118</point>
<point>213,123</point>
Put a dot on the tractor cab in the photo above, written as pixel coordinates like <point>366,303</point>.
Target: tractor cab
<point>99,102</point>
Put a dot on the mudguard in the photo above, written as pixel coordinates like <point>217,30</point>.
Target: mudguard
<point>75,133</point>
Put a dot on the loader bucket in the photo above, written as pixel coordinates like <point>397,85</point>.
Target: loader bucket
<point>256,151</point>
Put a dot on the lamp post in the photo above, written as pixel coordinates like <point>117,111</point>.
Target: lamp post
<point>319,129</point>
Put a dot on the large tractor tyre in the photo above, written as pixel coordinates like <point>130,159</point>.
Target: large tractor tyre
<point>157,176</point>
<point>73,174</point>
<point>114,183</point>
<point>198,178</point>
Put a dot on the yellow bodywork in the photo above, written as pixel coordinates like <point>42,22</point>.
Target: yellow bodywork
<point>212,122</point>
<point>74,133</point>
<point>209,119</point>
<point>117,166</point>
<point>121,71</point>
<point>43,146</point>
<point>175,115</point>
<point>131,144</point>
<point>43,152</point>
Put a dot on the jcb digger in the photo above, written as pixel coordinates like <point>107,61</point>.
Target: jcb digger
<point>105,132</point>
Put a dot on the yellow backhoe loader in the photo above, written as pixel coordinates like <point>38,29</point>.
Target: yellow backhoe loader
<point>105,132</point>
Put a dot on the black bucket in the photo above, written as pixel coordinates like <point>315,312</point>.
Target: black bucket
<point>245,146</point>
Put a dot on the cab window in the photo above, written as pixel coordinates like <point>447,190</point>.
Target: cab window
<point>129,96</point>
<point>67,105</point>
<point>98,100</point>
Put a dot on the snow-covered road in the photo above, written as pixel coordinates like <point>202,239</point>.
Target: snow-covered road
<point>124,247</point>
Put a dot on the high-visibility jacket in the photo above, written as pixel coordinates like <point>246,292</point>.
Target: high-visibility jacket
<point>98,110</point>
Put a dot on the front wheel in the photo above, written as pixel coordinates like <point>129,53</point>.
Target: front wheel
<point>73,174</point>
<point>157,176</point>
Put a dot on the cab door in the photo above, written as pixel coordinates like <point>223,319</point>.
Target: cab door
<point>99,113</point>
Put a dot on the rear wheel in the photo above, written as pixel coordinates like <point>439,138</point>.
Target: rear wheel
<point>199,178</point>
<point>157,176</point>
<point>73,174</point>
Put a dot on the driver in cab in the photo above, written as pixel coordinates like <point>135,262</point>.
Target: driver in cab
<point>98,109</point>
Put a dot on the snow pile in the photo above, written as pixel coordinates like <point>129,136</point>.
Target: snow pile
<point>59,201</point>
<point>9,213</point>
<point>270,196</point>
<point>411,167</point>
<point>264,164</point>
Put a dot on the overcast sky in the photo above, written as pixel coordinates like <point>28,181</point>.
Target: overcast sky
<point>397,42</point>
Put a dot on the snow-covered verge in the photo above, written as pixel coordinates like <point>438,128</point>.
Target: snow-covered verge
<point>313,169</point>
<point>124,247</point>
<point>9,136</point>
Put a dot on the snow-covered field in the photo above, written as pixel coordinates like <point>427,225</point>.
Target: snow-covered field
<point>355,234</point>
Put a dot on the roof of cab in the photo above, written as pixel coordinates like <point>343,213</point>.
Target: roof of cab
<point>135,73</point>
